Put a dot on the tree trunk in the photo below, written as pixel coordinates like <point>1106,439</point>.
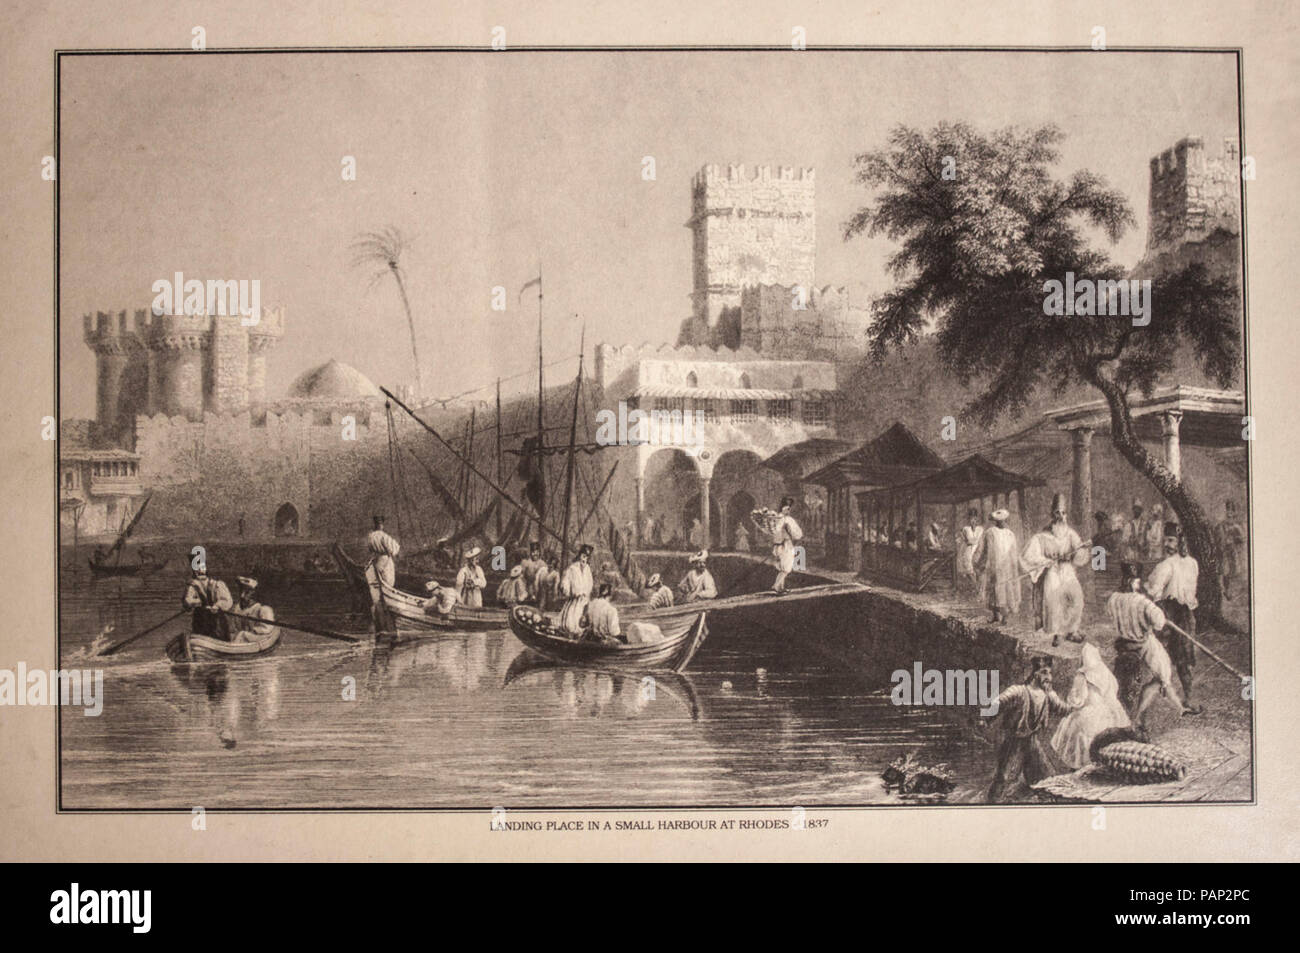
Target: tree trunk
<point>410,323</point>
<point>1196,526</point>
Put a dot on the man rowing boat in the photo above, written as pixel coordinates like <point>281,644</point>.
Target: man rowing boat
<point>209,599</point>
<point>254,621</point>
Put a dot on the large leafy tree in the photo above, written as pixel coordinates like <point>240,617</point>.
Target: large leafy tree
<point>982,224</point>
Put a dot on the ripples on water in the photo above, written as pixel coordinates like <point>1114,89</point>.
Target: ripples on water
<point>474,721</point>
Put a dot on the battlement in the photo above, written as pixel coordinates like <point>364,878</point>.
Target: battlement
<point>106,328</point>
<point>1188,154</point>
<point>714,172</point>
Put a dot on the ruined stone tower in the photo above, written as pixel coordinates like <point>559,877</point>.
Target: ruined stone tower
<point>1193,194</point>
<point>748,230</point>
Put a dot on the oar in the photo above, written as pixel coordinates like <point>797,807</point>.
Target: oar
<point>171,618</point>
<point>297,628</point>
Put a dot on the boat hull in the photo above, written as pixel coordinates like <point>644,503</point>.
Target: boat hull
<point>205,649</point>
<point>683,636</point>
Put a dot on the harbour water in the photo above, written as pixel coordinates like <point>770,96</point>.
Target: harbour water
<point>761,718</point>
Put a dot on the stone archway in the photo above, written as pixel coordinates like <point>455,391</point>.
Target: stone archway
<point>286,520</point>
<point>670,475</point>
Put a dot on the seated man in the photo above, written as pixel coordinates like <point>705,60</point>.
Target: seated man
<point>698,583</point>
<point>441,598</point>
<point>602,618</point>
<point>253,621</point>
<point>657,593</point>
<point>513,590</point>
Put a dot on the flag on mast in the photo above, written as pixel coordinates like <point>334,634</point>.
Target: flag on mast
<point>536,281</point>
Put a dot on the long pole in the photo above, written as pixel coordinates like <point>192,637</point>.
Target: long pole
<point>527,511</point>
<point>571,469</point>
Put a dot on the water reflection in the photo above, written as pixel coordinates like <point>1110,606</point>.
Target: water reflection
<point>608,692</point>
<point>473,719</point>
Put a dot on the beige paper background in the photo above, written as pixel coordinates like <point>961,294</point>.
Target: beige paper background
<point>31,830</point>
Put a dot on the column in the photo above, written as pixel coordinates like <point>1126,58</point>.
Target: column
<point>1169,423</point>
<point>1081,486</point>
<point>704,510</point>
<point>640,513</point>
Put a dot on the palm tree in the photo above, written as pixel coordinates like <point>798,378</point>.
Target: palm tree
<point>383,251</point>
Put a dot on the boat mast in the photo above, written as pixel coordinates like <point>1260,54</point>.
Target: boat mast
<point>500,482</point>
<point>571,470</point>
<point>541,431</point>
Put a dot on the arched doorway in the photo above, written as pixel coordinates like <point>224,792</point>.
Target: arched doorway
<point>670,476</point>
<point>286,520</point>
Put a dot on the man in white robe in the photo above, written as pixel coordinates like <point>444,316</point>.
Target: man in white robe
<point>698,584</point>
<point>786,533</point>
<point>383,550</point>
<point>471,581</point>
<point>995,561</point>
<point>575,588</point>
<point>967,540</point>
<point>1049,560</point>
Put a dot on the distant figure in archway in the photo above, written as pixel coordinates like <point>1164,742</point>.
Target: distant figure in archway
<point>286,520</point>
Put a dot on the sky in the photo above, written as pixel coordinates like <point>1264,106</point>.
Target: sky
<point>226,165</point>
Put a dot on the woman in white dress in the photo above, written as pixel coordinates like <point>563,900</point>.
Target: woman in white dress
<point>1096,689</point>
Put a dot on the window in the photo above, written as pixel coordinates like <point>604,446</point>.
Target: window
<point>744,411</point>
<point>816,413</point>
<point>706,411</point>
<point>692,380</point>
<point>677,404</point>
<point>781,411</point>
<point>744,381</point>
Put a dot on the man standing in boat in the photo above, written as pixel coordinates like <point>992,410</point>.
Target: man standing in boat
<point>575,587</point>
<point>471,581</point>
<point>698,582</point>
<point>207,597</point>
<point>532,564</point>
<point>383,551</point>
<point>253,621</point>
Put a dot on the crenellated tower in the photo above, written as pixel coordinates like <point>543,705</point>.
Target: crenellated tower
<point>179,365</point>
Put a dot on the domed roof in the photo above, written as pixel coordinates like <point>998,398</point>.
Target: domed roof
<point>333,380</point>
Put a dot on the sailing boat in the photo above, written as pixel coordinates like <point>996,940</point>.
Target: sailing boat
<point>109,562</point>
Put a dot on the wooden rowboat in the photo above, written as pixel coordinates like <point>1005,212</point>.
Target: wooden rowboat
<point>683,636</point>
<point>406,610</point>
<point>126,569</point>
<point>202,648</point>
